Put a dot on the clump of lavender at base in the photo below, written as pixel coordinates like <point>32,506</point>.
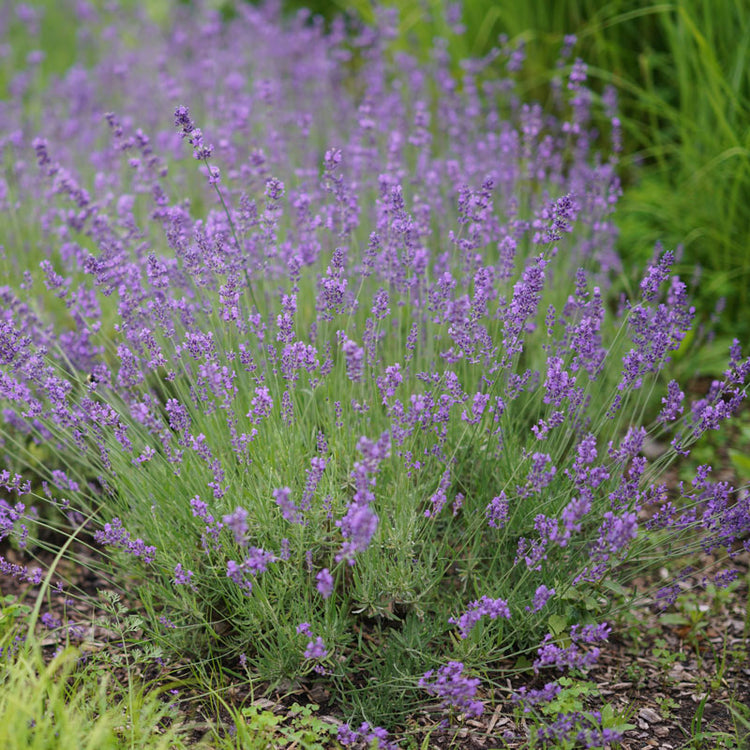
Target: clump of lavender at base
<point>550,654</point>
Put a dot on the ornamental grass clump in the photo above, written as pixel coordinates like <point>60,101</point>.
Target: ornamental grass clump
<point>319,347</point>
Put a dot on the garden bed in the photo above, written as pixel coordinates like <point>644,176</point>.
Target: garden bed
<point>333,411</point>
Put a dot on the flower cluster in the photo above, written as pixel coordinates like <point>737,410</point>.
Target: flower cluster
<point>456,689</point>
<point>360,522</point>
<point>492,608</point>
<point>114,535</point>
<point>550,654</point>
<point>584,729</point>
<point>371,736</point>
<point>255,563</point>
<point>315,650</point>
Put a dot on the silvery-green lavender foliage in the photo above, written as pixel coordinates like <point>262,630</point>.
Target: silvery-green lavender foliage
<point>321,341</point>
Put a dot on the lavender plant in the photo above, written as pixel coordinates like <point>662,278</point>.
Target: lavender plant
<point>323,340</point>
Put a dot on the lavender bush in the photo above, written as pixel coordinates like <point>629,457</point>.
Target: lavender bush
<point>320,346</point>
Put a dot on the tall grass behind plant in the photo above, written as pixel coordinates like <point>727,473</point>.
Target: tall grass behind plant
<point>697,101</point>
<point>334,362</point>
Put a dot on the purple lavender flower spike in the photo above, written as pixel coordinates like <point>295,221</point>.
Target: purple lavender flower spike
<point>455,689</point>
<point>484,607</point>
<point>324,583</point>
<point>237,523</point>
